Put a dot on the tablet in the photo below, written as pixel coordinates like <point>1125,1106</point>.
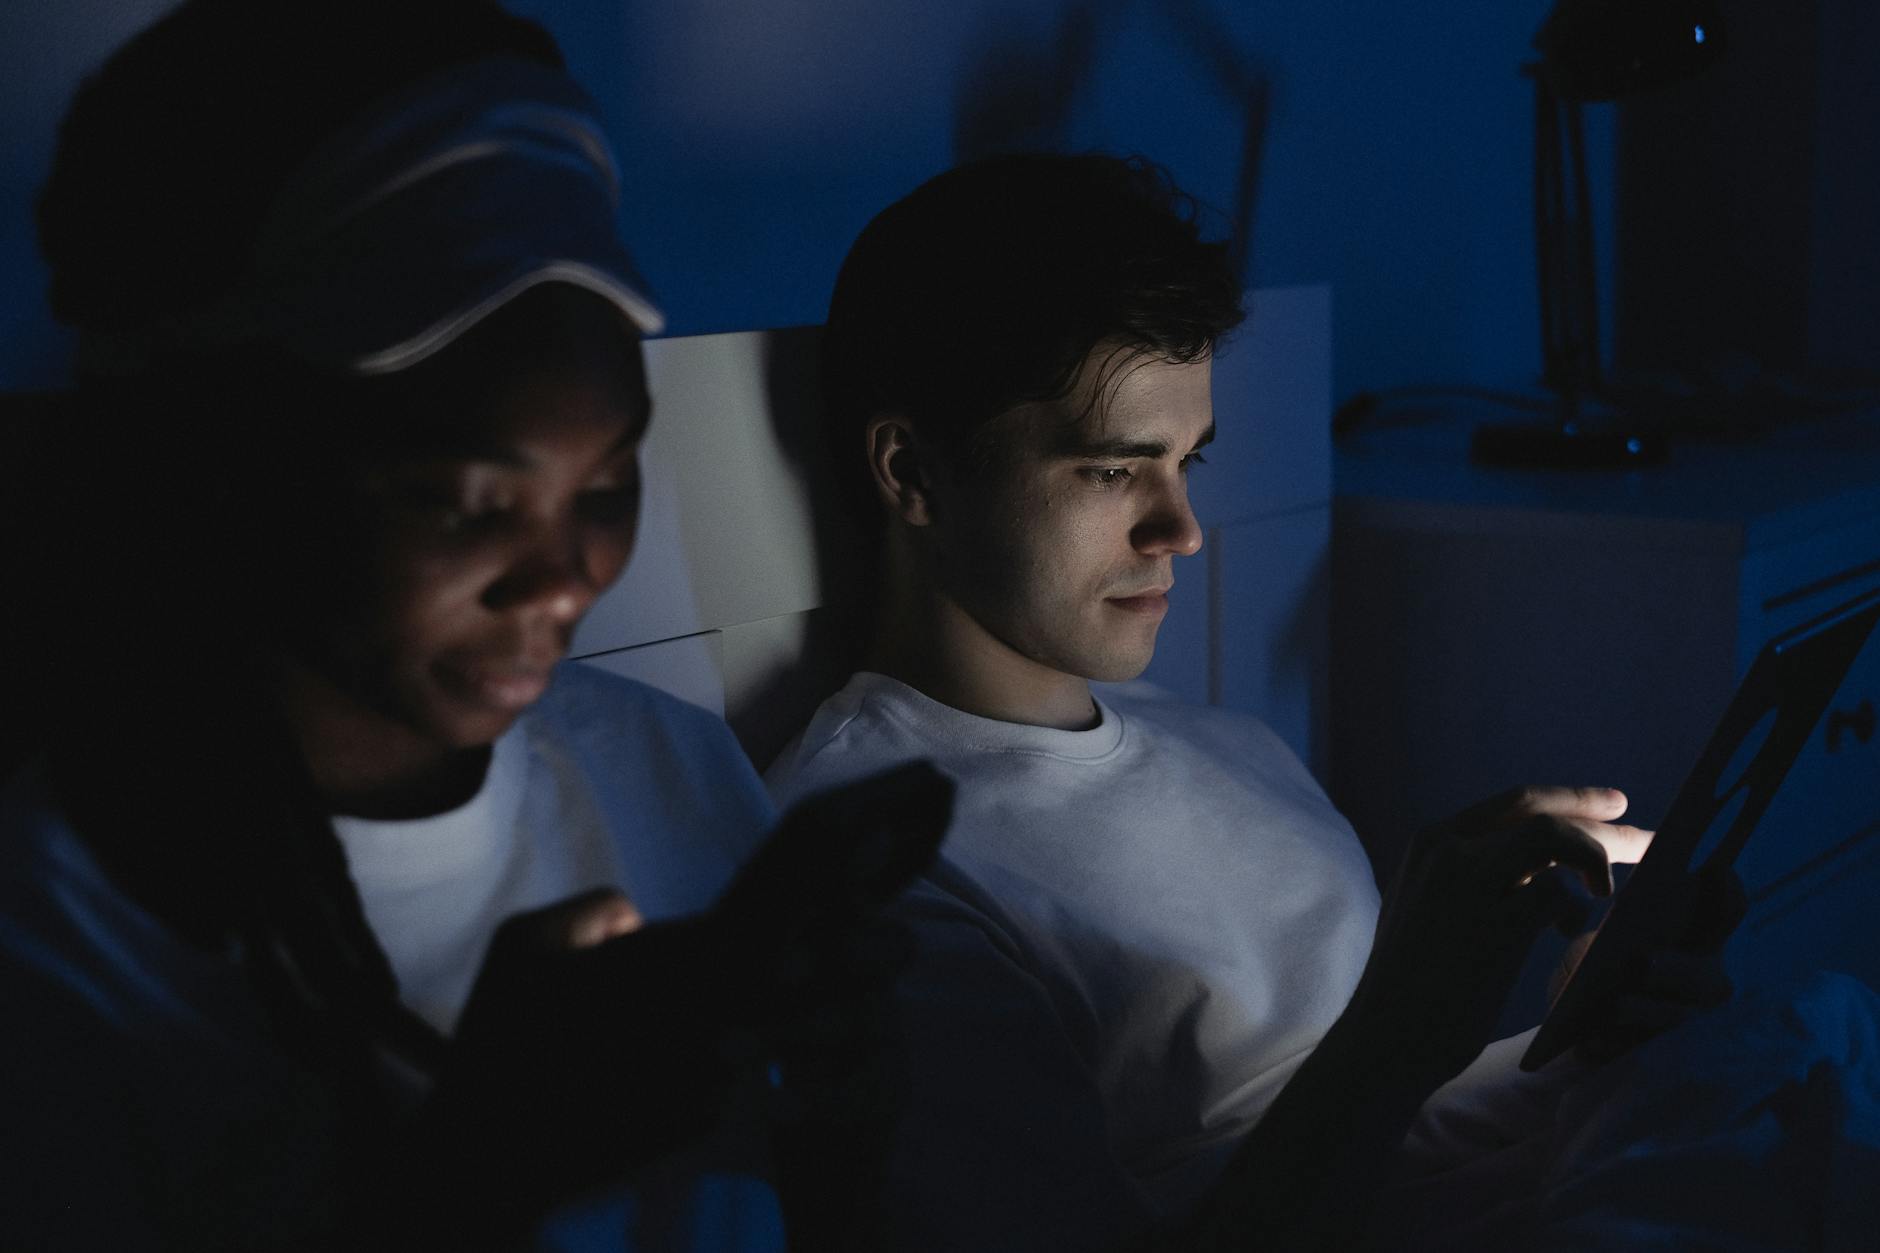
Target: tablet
<point>1771,717</point>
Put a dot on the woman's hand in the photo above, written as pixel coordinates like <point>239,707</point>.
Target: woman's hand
<point>595,1042</point>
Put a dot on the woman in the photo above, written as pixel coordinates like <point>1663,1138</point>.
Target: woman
<point>355,446</point>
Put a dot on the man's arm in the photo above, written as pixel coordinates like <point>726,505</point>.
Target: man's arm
<point>1003,1142</point>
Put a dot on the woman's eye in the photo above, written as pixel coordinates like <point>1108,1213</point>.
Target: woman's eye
<point>1192,460</point>
<point>609,506</point>
<point>459,520</point>
<point>1108,476</point>
<point>448,513</point>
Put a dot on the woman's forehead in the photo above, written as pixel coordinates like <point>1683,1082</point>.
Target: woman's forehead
<point>543,368</point>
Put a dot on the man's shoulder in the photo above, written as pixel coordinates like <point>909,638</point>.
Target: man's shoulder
<point>855,732</point>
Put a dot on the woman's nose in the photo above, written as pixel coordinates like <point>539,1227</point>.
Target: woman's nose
<point>555,576</point>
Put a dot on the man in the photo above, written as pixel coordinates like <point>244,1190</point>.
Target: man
<point>1147,995</point>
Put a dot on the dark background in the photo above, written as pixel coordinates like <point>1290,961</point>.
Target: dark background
<point>760,135</point>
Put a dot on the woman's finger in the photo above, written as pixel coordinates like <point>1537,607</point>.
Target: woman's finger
<point>608,917</point>
<point>579,922</point>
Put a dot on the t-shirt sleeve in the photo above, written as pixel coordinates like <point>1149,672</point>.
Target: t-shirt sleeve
<point>743,813</point>
<point>686,801</point>
<point>1002,1143</point>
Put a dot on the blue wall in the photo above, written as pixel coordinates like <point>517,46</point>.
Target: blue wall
<point>760,135</point>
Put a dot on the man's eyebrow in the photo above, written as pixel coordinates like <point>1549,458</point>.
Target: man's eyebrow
<point>1124,448</point>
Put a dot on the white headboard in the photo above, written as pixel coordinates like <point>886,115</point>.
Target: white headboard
<point>735,598</point>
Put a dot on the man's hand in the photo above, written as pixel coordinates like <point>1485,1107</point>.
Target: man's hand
<point>1472,895</point>
<point>1452,936</point>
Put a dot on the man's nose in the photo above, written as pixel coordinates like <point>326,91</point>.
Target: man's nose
<point>1170,527</point>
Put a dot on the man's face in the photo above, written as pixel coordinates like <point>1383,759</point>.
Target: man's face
<point>1061,543</point>
<point>477,546</point>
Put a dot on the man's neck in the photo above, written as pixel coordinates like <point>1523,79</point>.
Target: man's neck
<point>927,641</point>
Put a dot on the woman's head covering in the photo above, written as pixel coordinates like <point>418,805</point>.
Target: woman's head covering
<point>412,224</point>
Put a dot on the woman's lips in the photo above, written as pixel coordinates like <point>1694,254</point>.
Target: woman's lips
<point>508,688</point>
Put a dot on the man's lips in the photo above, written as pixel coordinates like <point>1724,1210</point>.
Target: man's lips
<point>1152,600</point>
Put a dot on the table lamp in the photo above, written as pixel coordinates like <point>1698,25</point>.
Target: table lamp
<point>1589,50</point>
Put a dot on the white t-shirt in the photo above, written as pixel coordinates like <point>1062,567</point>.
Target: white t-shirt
<point>566,806</point>
<point>1135,935</point>
<point>142,1100</point>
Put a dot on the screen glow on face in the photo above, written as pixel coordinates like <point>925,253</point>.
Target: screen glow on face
<point>478,549</point>
<point>1062,546</point>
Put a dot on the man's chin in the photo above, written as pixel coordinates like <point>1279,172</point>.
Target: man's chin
<point>1117,667</point>
<point>1118,674</point>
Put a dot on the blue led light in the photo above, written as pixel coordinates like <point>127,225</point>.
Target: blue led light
<point>1700,34</point>
<point>1634,446</point>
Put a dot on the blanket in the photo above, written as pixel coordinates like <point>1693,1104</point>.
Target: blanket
<point>1755,1126</point>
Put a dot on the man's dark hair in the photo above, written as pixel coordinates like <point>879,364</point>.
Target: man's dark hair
<point>989,286</point>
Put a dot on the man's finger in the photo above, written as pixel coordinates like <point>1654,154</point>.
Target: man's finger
<point>1624,845</point>
<point>1557,900</point>
<point>1598,804</point>
<point>1544,841</point>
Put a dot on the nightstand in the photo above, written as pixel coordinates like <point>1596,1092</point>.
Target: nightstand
<point>1494,627</point>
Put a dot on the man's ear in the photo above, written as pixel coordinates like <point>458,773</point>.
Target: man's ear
<point>897,466</point>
